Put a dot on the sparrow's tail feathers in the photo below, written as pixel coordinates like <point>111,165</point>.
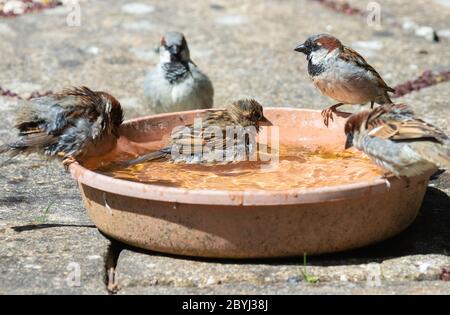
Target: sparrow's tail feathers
<point>152,156</point>
<point>34,142</point>
<point>440,157</point>
<point>11,150</point>
<point>389,89</point>
<point>386,99</point>
<point>4,148</point>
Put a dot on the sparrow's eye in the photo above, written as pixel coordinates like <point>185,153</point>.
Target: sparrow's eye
<point>316,46</point>
<point>257,116</point>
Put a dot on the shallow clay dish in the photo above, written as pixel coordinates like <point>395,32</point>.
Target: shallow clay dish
<point>247,224</point>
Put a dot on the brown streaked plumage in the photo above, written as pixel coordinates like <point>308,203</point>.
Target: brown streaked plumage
<point>342,74</point>
<point>398,141</point>
<point>355,58</point>
<point>240,114</point>
<point>73,125</point>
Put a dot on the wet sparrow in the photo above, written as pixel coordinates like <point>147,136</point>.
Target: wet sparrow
<point>342,74</point>
<point>73,125</point>
<point>398,141</point>
<point>226,135</point>
<point>176,83</point>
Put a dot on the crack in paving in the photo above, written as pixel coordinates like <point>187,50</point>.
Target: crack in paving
<point>111,259</point>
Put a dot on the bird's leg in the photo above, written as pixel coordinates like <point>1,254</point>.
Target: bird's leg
<point>371,104</point>
<point>386,180</point>
<point>327,113</point>
<point>404,178</point>
<point>67,161</point>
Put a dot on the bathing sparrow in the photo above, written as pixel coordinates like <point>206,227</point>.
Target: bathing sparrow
<point>342,74</point>
<point>72,125</point>
<point>398,141</point>
<point>176,83</point>
<point>225,135</point>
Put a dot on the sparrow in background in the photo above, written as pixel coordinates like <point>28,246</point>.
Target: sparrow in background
<point>214,134</point>
<point>398,141</point>
<point>342,74</point>
<point>73,125</point>
<point>176,83</point>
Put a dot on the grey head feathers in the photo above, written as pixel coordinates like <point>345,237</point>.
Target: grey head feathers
<point>174,57</point>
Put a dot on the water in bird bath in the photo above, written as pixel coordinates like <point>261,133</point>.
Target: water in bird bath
<point>297,167</point>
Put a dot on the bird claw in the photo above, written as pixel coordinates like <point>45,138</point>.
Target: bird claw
<point>327,114</point>
<point>386,180</point>
<point>67,161</point>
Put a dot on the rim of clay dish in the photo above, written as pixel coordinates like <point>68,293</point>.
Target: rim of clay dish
<point>224,197</point>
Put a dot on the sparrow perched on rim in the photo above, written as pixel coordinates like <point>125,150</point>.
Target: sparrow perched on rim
<point>176,83</point>
<point>222,135</point>
<point>342,74</point>
<point>75,124</point>
<point>398,141</point>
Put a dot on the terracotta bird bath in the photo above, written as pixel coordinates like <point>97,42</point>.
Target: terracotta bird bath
<point>247,224</point>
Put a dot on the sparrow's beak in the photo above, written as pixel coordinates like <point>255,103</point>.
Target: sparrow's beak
<point>302,48</point>
<point>264,122</point>
<point>174,51</point>
<point>349,142</point>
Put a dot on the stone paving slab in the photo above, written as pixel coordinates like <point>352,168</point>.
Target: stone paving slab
<point>432,104</point>
<point>51,259</point>
<point>332,288</point>
<point>147,270</point>
<point>423,12</point>
<point>237,45</point>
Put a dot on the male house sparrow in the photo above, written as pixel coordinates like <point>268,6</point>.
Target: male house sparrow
<point>398,141</point>
<point>176,83</point>
<point>227,134</point>
<point>73,125</point>
<point>342,74</point>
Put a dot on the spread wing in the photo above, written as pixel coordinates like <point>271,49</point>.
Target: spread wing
<point>397,122</point>
<point>53,114</point>
<point>43,120</point>
<point>212,132</point>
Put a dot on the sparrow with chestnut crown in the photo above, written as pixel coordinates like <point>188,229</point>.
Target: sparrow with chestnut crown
<point>342,74</point>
